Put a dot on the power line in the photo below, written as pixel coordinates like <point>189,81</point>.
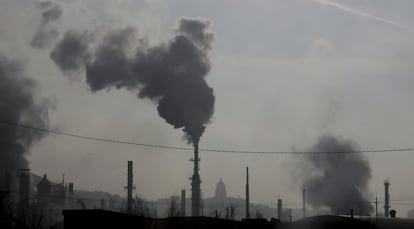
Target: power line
<point>191,149</point>
<point>88,137</point>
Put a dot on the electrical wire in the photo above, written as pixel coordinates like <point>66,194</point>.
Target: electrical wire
<point>4,122</point>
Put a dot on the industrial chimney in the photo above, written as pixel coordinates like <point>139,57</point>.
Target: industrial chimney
<point>279,209</point>
<point>387,199</point>
<point>129,187</point>
<point>195,186</point>
<point>4,189</point>
<point>304,203</point>
<point>24,190</point>
<point>247,194</point>
<point>183,202</point>
<point>70,189</point>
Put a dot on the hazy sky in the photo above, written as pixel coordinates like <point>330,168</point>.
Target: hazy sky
<point>284,72</point>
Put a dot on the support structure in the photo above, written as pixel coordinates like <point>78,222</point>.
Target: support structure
<point>387,199</point>
<point>195,185</point>
<point>247,194</point>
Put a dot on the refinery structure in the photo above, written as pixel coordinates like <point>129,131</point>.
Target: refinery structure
<point>28,197</point>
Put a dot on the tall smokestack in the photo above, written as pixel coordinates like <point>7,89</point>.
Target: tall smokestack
<point>130,187</point>
<point>5,181</point>
<point>304,203</point>
<point>24,190</point>
<point>387,199</point>
<point>195,186</point>
<point>183,202</point>
<point>279,209</point>
<point>70,189</point>
<point>247,194</point>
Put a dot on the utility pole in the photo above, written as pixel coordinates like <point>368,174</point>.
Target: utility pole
<point>376,206</point>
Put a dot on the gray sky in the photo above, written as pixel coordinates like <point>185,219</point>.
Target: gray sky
<point>283,72</point>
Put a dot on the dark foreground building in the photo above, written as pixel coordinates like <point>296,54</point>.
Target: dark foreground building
<point>108,219</point>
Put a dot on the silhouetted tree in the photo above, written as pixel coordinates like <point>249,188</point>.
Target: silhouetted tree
<point>142,207</point>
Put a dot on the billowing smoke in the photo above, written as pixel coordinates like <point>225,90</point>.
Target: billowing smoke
<point>45,33</point>
<point>18,104</point>
<point>71,53</point>
<point>338,181</point>
<point>171,73</point>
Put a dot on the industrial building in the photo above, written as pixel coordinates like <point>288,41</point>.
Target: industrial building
<point>29,199</point>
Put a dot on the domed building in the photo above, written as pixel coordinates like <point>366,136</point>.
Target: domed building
<point>221,192</point>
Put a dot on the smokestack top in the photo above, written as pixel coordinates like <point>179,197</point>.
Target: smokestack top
<point>194,133</point>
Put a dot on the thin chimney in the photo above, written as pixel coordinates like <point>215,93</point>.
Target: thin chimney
<point>279,209</point>
<point>387,199</point>
<point>183,202</point>
<point>247,194</point>
<point>304,203</point>
<point>130,187</point>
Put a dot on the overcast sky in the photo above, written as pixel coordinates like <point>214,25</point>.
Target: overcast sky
<point>283,72</point>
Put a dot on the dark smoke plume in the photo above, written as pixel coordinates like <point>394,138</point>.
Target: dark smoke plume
<point>338,181</point>
<point>71,53</point>
<point>18,104</point>
<point>171,73</point>
<point>45,34</point>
